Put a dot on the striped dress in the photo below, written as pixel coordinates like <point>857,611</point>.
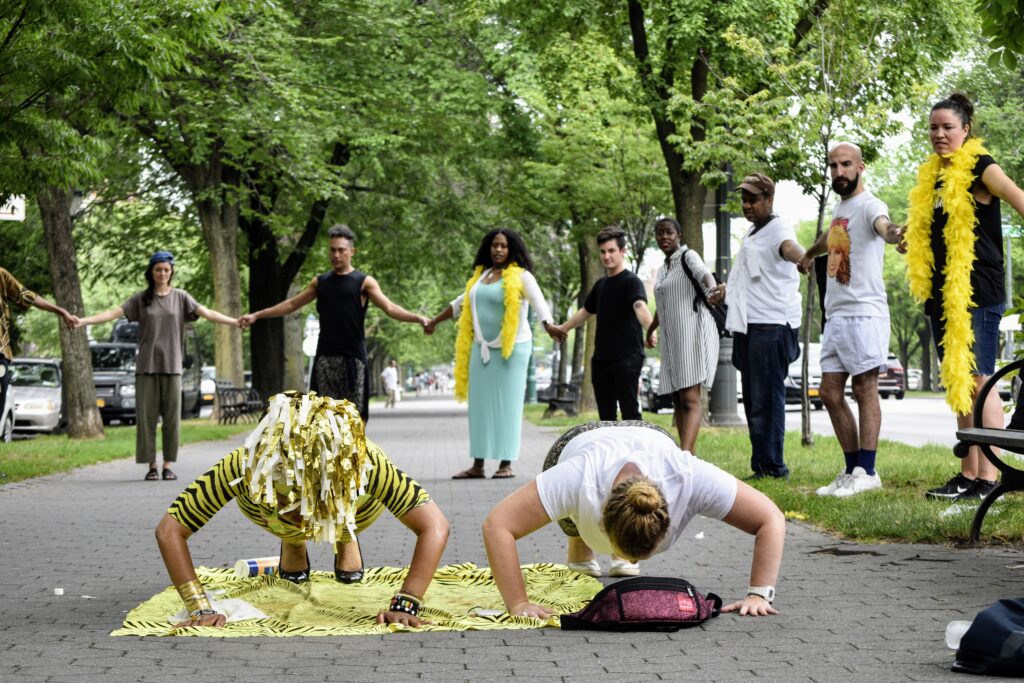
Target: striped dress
<point>387,487</point>
<point>688,338</point>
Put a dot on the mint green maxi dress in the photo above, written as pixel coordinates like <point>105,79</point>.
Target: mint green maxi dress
<point>497,389</point>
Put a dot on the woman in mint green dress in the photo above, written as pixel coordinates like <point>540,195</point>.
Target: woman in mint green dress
<point>493,348</point>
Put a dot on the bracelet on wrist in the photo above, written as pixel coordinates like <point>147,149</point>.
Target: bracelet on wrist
<point>199,613</point>
<point>402,602</point>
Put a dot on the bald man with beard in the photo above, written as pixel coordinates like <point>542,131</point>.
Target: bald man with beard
<point>856,337</point>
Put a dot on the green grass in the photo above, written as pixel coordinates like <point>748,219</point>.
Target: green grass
<point>897,513</point>
<point>44,455</point>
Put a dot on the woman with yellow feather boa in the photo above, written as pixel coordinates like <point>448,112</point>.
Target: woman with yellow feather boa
<point>954,251</point>
<point>491,315</point>
<point>306,473</point>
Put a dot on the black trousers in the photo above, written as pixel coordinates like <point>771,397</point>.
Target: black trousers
<point>617,385</point>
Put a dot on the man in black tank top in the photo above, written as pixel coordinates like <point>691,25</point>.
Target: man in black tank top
<point>342,296</point>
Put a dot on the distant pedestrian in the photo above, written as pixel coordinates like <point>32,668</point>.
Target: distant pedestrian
<point>954,245</point>
<point>492,315</point>
<point>856,339</point>
<point>390,378</point>
<point>688,344</point>
<point>161,312</point>
<point>619,301</point>
<point>342,296</point>
<point>13,292</point>
<point>764,316</point>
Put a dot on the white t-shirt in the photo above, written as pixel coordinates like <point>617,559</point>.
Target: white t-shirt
<point>390,377</point>
<point>763,287</point>
<point>855,283</point>
<point>579,485</point>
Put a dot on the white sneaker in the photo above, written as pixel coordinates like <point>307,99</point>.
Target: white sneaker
<point>859,482</point>
<point>622,567</point>
<point>590,568</point>
<point>839,482</point>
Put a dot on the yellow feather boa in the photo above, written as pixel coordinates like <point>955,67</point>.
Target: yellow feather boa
<point>512,281</point>
<point>959,235</point>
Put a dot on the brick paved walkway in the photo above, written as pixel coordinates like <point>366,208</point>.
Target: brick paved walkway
<point>849,612</point>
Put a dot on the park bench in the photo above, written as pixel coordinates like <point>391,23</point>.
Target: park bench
<point>237,404</point>
<point>563,396</point>
<point>1009,439</point>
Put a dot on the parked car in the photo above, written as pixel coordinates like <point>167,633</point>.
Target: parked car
<point>113,368</point>
<point>208,385</point>
<point>7,418</point>
<point>650,399</point>
<point>892,382</point>
<point>794,378</point>
<point>36,393</point>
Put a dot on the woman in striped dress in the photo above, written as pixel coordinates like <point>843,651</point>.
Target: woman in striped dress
<point>689,337</point>
<point>304,443</point>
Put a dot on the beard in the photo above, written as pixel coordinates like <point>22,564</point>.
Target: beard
<point>844,187</point>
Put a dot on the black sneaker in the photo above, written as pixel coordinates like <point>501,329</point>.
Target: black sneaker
<point>956,486</point>
<point>978,490</point>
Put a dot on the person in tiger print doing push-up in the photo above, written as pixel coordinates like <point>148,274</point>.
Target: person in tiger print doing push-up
<point>306,473</point>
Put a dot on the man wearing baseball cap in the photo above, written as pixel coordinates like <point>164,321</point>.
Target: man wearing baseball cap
<point>764,316</point>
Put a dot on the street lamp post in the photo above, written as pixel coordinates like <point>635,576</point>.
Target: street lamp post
<point>722,406</point>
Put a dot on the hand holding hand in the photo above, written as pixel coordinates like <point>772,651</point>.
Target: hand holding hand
<point>652,338</point>
<point>529,609</point>
<point>246,321</point>
<point>901,238</point>
<point>751,606</point>
<point>805,264</point>
<point>428,327</point>
<point>69,320</point>
<point>557,332</point>
<point>716,294</point>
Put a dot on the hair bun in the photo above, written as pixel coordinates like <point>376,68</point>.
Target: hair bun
<point>964,102</point>
<point>644,498</point>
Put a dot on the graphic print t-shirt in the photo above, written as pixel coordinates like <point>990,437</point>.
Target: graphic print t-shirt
<point>855,284</point>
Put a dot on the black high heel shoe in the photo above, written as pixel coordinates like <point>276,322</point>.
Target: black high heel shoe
<point>301,576</point>
<point>345,576</point>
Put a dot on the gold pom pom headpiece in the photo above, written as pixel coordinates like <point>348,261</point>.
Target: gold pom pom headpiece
<point>309,452</point>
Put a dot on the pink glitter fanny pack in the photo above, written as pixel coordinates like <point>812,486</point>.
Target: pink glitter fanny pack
<point>646,603</point>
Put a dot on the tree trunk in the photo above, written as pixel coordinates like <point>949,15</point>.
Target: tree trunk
<point>266,336</point>
<point>294,357</point>
<point>590,271</point>
<point>79,392</point>
<point>806,434</point>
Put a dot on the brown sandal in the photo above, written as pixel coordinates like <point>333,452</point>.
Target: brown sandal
<point>504,473</point>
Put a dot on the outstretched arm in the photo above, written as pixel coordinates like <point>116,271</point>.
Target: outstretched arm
<point>284,308</point>
<point>578,318</point>
<point>106,316</point>
<point>371,288</point>
<point>172,538</point>
<point>889,231</point>
<point>1000,184</point>
<point>41,303</point>
<point>520,514</point>
<point>756,514</point>
<point>447,314</point>
<point>431,529</point>
<point>216,316</point>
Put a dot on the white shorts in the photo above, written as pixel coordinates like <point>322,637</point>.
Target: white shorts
<point>855,345</point>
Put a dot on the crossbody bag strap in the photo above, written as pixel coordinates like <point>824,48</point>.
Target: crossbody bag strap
<point>699,291</point>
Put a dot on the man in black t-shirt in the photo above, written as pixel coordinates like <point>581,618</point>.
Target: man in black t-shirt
<point>619,301</point>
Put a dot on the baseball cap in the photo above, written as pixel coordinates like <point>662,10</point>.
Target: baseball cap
<point>161,257</point>
<point>758,183</point>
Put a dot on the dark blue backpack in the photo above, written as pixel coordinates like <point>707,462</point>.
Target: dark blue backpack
<point>994,644</point>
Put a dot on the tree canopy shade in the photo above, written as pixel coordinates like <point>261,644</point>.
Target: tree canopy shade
<point>1002,22</point>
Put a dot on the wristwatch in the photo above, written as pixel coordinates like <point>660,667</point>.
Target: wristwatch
<point>766,592</point>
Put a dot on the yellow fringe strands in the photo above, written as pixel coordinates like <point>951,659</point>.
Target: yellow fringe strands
<point>309,452</point>
<point>959,234</point>
<point>512,281</point>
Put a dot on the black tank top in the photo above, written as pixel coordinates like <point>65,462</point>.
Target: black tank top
<point>342,314</point>
<point>987,274</point>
